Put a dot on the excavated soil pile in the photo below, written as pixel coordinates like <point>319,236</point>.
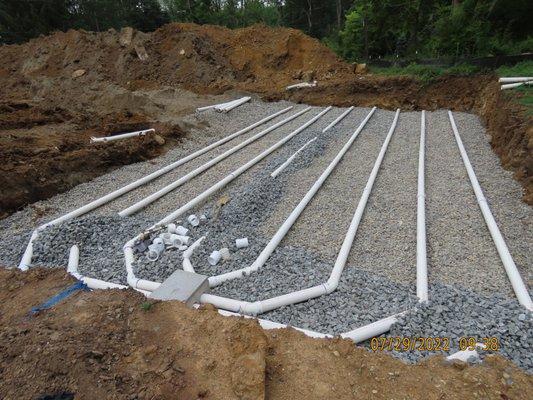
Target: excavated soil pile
<point>115,345</point>
<point>59,90</point>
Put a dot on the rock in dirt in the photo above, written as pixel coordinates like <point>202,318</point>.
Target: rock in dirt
<point>360,69</point>
<point>126,35</point>
<point>78,73</point>
<point>248,375</point>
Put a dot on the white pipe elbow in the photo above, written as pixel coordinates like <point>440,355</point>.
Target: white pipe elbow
<point>331,285</point>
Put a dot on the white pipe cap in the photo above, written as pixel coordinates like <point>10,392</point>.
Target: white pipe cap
<point>214,258</point>
<point>241,243</point>
<point>193,220</point>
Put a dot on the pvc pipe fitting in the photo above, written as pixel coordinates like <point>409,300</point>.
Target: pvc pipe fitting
<point>224,252</point>
<point>167,238</point>
<point>181,230</point>
<point>159,242</point>
<point>171,228</point>
<point>241,243</point>
<point>179,241</point>
<point>193,220</point>
<point>154,252</point>
<point>214,258</point>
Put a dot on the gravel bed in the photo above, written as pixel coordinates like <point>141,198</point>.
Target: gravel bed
<point>379,278</point>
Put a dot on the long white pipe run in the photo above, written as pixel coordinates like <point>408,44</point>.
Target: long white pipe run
<point>291,219</point>
<point>28,253</point>
<point>121,136</point>
<point>129,258</point>
<point>519,287</point>
<point>263,306</point>
<point>421,256</point>
<point>187,177</point>
<point>225,181</point>
<point>511,79</point>
<point>280,169</point>
<point>338,119</point>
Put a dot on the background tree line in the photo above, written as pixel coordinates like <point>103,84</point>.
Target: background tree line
<point>356,29</point>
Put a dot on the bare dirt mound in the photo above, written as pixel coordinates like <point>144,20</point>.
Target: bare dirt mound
<point>114,345</point>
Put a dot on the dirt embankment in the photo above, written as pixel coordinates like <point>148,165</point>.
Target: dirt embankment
<point>59,90</point>
<point>114,345</point>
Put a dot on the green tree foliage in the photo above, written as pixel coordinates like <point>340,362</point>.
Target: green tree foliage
<point>356,29</point>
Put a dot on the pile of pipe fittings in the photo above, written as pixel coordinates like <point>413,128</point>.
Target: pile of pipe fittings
<point>224,253</point>
<point>175,237</point>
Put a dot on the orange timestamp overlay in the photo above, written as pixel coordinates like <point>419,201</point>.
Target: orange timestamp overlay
<point>430,343</point>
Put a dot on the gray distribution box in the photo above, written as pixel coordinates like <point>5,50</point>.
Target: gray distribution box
<point>183,286</point>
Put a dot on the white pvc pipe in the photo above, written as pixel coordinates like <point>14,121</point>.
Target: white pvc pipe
<point>515,85</point>
<point>121,136</point>
<point>241,243</point>
<point>519,287</point>
<point>511,79</point>
<point>187,265</point>
<point>338,119</point>
<point>214,257</point>
<point>200,109</point>
<point>266,324</point>
<point>293,216</point>
<point>72,269</point>
<point>371,330</point>
<point>231,106</point>
<point>421,256</point>
<point>225,181</point>
<point>28,253</point>
<point>129,258</point>
<point>186,178</point>
<point>291,158</point>
<point>332,283</point>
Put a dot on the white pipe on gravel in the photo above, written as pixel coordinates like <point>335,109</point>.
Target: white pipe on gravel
<point>129,258</point>
<point>72,269</point>
<point>263,306</point>
<point>293,216</point>
<point>291,158</point>
<point>225,181</point>
<point>231,106</point>
<point>519,287</point>
<point>121,136</point>
<point>511,79</point>
<point>421,256</point>
<point>187,265</point>
<point>371,330</point>
<point>28,253</point>
<point>200,109</point>
<point>338,119</point>
<point>187,177</point>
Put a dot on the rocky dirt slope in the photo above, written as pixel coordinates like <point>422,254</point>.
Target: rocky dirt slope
<point>114,345</point>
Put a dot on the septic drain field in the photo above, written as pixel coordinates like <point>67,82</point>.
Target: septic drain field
<point>469,292</point>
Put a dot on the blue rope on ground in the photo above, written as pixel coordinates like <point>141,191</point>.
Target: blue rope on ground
<point>60,296</point>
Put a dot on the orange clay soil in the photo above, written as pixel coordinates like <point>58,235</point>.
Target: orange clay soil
<point>60,89</point>
<point>115,345</point>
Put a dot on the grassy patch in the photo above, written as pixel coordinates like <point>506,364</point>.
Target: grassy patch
<point>426,73</point>
<point>146,305</point>
<point>524,94</point>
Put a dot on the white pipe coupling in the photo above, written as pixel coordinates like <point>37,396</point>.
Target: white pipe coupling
<point>180,240</point>
<point>241,243</point>
<point>193,220</point>
<point>214,258</point>
<point>155,249</point>
<point>177,229</point>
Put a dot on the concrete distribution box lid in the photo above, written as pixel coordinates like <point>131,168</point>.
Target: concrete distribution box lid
<point>183,286</point>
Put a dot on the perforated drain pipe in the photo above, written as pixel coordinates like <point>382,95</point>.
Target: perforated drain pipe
<point>28,253</point>
<point>92,283</point>
<point>421,256</point>
<point>186,178</point>
<point>293,216</point>
<point>259,307</point>
<point>520,289</point>
<point>280,169</point>
<point>129,258</point>
<point>338,119</point>
<point>121,136</point>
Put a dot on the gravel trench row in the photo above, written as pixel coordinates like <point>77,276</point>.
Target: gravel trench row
<point>469,291</point>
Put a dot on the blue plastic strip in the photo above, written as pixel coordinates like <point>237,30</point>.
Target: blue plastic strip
<point>60,296</point>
